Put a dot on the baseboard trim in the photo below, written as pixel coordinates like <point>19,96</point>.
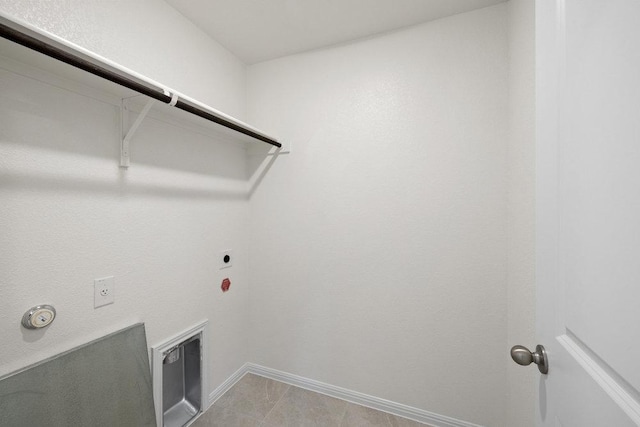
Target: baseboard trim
<point>227,384</point>
<point>393,408</point>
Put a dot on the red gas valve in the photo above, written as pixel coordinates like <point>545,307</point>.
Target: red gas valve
<point>226,284</point>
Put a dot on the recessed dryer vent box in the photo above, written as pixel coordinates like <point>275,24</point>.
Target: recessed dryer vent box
<point>178,378</point>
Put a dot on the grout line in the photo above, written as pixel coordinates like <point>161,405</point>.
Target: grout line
<point>344,416</point>
<point>288,388</point>
<point>389,419</point>
<point>276,404</point>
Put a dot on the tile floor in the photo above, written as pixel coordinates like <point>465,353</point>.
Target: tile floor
<point>256,401</point>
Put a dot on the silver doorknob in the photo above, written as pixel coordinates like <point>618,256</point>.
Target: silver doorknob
<point>522,356</point>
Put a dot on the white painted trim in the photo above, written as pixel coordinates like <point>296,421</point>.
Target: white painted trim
<point>383,405</point>
<point>229,382</point>
<point>613,388</point>
<point>222,389</point>
<point>158,349</point>
<point>393,408</point>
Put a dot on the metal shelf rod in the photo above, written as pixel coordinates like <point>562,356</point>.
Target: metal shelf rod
<point>15,34</point>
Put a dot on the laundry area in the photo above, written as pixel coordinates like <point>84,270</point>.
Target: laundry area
<point>329,213</point>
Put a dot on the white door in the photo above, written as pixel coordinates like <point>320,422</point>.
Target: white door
<point>588,211</point>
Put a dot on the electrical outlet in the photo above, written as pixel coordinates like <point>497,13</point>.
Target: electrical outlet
<point>226,259</point>
<point>104,291</point>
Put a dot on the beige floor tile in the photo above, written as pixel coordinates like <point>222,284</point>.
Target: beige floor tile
<point>224,417</point>
<point>303,408</point>
<point>252,396</point>
<point>357,416</point>
<point>255,401</point>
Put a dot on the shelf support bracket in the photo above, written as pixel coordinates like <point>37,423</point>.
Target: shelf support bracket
<point>125,152</point>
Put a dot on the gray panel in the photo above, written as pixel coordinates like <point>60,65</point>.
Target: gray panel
<point>103,383</point>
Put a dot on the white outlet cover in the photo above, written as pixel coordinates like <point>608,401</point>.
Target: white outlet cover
<point>104,291</point>
<point>223,254</point>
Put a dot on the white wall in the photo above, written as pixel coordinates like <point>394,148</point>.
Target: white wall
<point>521,395</point>
<point>147,36</point>
<point>378,247</point>
<point>68,214</point>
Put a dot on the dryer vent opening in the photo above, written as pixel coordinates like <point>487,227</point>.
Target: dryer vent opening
<point>182,384</point>
<point>178,379</point>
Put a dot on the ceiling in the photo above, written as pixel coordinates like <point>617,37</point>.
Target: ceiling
<point>259,30</point>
